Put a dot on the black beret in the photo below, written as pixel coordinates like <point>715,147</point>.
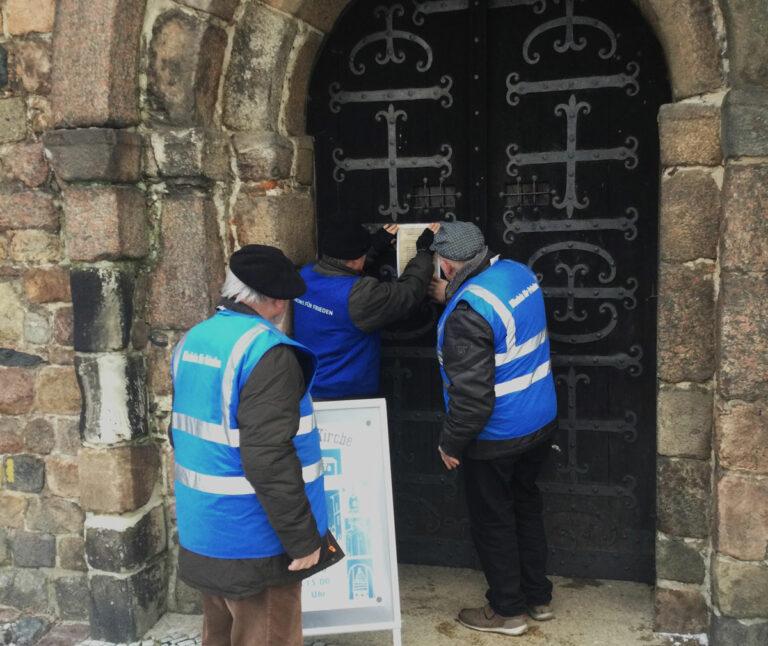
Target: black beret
<point>345,240</point>
<point>268,271</point>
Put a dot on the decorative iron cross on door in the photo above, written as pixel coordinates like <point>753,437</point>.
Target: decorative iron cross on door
<point>571,155</point>
<point>392,163</point>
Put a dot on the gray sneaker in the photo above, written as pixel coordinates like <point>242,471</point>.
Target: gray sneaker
<point>543,612</point>
<point>486,620</point>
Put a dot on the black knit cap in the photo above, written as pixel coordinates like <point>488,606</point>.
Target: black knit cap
<point>345,240</point>
<point>268,271</point>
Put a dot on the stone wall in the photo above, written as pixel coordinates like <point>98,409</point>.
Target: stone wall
<point>692,175</point>
<point>141,141</point>
<point>42,568</point>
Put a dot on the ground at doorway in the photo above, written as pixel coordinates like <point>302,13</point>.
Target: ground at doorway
<point>589,613</point>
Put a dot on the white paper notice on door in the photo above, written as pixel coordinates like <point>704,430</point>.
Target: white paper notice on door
<point>407,235</point>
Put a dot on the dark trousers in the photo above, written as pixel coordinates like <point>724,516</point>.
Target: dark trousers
<point>505,513</point>
<point>270,618</point>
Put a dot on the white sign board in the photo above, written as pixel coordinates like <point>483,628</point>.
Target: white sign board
<point>360,593</point>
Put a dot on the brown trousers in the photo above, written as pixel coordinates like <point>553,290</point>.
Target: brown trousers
<point>270,618</point>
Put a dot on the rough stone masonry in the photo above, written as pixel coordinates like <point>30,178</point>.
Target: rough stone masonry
<point>143,140</point>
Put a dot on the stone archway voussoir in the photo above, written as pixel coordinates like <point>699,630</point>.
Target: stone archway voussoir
<point>686,31</point>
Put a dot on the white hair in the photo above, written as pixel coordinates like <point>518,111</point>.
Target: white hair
<point>238,291</point>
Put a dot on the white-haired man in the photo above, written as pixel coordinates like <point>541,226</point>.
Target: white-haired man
<point>249,489</point>
<point>501,408</point>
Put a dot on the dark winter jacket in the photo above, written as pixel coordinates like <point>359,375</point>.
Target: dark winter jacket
<point>374,304</point>
<point>469,361</point>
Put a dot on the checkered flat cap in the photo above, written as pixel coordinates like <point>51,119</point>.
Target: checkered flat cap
<point>458,241</point>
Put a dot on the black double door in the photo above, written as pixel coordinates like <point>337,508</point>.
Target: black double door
<point>536,119</point>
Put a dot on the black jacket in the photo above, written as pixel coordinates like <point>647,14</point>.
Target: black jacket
<point>374,304</point>
<point>268,418</point>
<point>469,360</point>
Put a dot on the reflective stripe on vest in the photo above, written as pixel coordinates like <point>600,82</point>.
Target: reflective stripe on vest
<point>228,379</point>
<point>233,485</point>
<point>176,356</point>
<point>524,381</point>
<point>513,351</point>
<point>220,434</point>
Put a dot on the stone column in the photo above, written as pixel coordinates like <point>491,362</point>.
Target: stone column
<point>188,160</point>
<point>739,568</point>
<point>98,165</point>
<point>689,226</point>
<point>265,93</point>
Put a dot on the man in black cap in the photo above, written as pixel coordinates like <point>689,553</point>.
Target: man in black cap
<point>250,500</point>
<point>342,312</point>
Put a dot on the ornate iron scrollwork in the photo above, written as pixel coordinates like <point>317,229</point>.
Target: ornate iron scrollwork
<point>441,92</point>
<point>392,163</point>
<point>570,42</point>
<point>572,293</point>
<point>631,361</point>
<point>516,226</point>
<point>572,155</point>
<point>389,35</point>
<point>589,337</point>
<point>571,422</point>
<point>572,425</point>
<point>517,88</point>
<point>574,245</point>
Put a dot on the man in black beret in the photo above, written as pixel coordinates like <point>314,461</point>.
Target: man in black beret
<point>342,312</point>
<point>250,498</point>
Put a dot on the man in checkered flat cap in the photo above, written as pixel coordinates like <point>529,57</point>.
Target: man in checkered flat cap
<point>493,350</point>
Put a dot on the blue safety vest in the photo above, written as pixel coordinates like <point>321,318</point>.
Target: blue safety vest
<point>508,297</point>
<point>348,358</point>
<point>218,512</point>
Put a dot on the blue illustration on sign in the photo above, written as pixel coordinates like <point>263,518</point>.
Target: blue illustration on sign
<point>357,533</point>
<point>332,462</point>
<point>360,577</point>
<point>333,505</point>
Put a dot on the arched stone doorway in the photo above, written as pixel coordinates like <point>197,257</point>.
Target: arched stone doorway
<point>197,105</point>
<point>538,122</point>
